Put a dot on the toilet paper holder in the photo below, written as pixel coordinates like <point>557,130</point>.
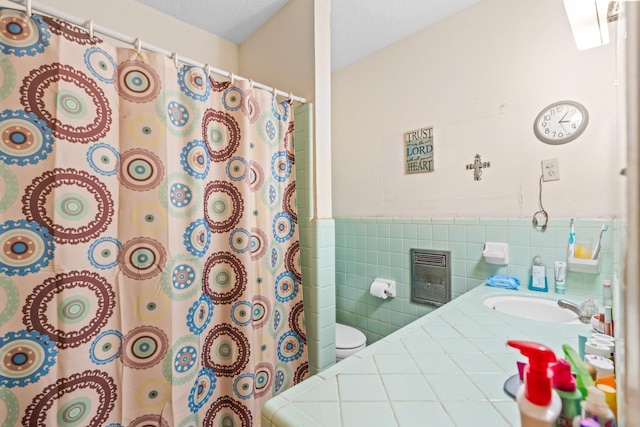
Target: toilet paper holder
<point>391,286</point>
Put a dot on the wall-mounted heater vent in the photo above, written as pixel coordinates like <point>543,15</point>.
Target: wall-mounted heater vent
<point>430,276</point>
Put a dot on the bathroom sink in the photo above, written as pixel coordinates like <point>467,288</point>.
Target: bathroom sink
<point>540,309</point>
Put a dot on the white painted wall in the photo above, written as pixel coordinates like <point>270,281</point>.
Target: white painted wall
<point>292,51</point>
<point>137,20</point>
<point>479,78</point>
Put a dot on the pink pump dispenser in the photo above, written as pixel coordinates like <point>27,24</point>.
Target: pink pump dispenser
<point>539,404</point>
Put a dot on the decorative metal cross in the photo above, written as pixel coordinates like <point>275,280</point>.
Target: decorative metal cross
<point>477,166</point>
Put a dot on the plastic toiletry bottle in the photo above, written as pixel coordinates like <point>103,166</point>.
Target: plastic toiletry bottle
<point>607,293</point>
<point>565,385</point>
<point>538,403</point>
<point>538,279</point>
<point>559,274</point>
<point>595,406</point>
<point>586,422</point>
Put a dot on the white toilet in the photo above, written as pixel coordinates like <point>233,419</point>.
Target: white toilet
<point>348,341</point>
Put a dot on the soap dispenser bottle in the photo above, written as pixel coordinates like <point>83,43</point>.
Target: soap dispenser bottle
<point>538,403</point>
<point>565,385</point>
<point>538,279</point>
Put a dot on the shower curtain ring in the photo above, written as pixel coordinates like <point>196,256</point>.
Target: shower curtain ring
<point>274,92</point>
<point>232,77</point>
<point>28,8</point>
<point>90,28</point>
<point>250,84</point>
<point>138,46</point>
<point>175,59</point>
<point>207,69</point>
<point>290,99</point>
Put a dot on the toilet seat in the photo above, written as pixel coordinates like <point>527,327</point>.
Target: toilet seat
<point>348,338</point>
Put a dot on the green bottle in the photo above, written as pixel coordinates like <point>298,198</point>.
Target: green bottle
<point>565,386</point>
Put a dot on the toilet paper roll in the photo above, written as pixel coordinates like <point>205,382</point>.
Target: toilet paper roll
<point>597,349</point>
<point>379,289</point>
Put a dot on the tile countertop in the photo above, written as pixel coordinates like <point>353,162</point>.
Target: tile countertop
<point>444,369</point>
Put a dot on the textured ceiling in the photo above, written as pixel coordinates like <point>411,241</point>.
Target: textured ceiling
<point>358,27</point>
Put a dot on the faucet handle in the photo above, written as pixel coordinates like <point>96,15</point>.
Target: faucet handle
<point>589,307</point>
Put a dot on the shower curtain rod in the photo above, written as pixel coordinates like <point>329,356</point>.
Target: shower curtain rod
<point>138,44</point>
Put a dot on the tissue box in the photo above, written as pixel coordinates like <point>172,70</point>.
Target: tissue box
<point>496,253</point>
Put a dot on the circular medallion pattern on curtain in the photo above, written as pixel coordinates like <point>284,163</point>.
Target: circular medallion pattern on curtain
<point>21,35</point>
<point>106,347</point>
<point>26,247</point>
<point>26,356</point>
<point>221,133</point>
<point>197,237</point>
<point>202,389</point>
<point>85,398</point>
<point>194,159</point>
<point>226,411</point>
<point>70,308</point>
<point>224,278</point>
<point>194,82</point>
<point>200,314</point>
<point>100,64</point>
<point>69,102</point>
<point>225,350</point>
<point>223,206</point>
<point>144,347</point>
<point>104,253</point>
<point>76,197</point>
<point>103,159</point>
<point>137,81</point>
<point>142,258</point>
<point>25,139</point>
<point>140,169</point>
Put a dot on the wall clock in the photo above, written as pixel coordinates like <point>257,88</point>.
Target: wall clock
<point>561,122</point>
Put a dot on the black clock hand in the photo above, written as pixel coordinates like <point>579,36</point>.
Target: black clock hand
<point>562,120</point>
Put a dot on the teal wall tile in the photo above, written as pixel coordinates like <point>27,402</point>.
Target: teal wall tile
<point>387,256</point>
<point>440,232</point>
<point>457,233</point>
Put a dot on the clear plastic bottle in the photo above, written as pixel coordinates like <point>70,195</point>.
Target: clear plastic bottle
<point>607,293</point>
<point>595,406</point>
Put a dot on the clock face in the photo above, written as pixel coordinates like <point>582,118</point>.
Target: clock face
<point>561,122</point>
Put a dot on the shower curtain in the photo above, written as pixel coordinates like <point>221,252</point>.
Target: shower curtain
<point>149,272</point>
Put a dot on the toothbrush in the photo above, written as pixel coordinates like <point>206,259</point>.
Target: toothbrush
<point>572,240</point>
<point>596,251</point>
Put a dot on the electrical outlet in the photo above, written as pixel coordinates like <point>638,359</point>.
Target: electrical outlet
<point>550,170</point>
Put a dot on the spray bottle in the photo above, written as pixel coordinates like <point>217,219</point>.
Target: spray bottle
<point>565,385</point>
<point>538,403</point>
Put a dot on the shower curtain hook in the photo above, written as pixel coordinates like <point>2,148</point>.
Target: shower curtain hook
<point>28,8</point>
<point>274,92</point>
<point>290,99</point>
<point>175,59</point>
<point>207,69</point>
<point>251,84</point>
<point>231,76</point>
<point>138,46</point>
<point>90,27</point>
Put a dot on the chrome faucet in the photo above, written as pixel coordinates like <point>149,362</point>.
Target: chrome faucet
<point>584,316</point>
